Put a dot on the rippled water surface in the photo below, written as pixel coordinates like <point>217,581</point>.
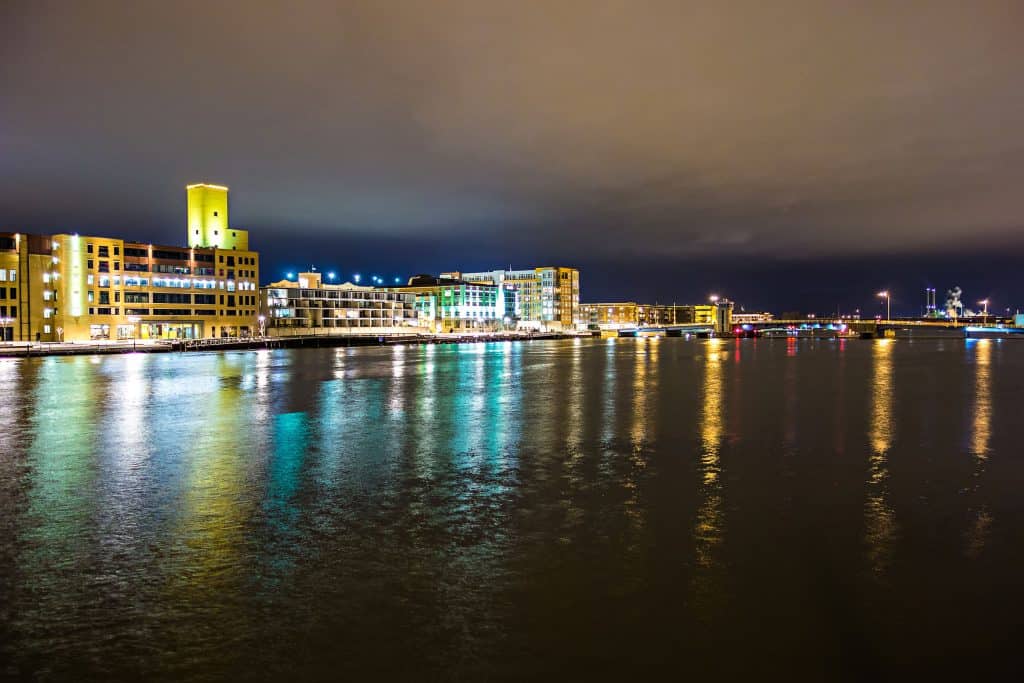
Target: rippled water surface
<point>590,509</point>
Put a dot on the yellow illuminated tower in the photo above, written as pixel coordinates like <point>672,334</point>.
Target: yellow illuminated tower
<point>208,217</point>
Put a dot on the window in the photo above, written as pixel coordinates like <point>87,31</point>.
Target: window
<point>104,266</point>
<point>117,265</point>
<point>47,295</point>
<point>104,251</point>
<point>89,279</point>
<point>117,251</point>
<point>47,312</point>
<point>3,275</point>
<point>12,275</point>
<point>214,213</point>
<point>172,298</point>
<point>104,297</point>
<point>88,264</point>
<point>46,329</point>
<point>13,293</point>
<point>88,248</point>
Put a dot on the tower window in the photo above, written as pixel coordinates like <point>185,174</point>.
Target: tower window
<point>214,213</point>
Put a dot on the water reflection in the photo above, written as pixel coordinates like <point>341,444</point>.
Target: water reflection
<point>880,522</point>
<point>480,509</point>
<point>981,433</point>
<point>981,413</point>
<point>709,525</point>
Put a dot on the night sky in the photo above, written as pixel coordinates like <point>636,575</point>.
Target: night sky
<point>790,155</point>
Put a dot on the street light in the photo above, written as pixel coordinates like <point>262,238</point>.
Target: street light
<point>330,275</point>
<point>888,304</point>
<point>263,325</point>
<point>714,298</point>
<point>289,276</point>
<point>984,302</point>
<point>356,277</point>
<point>134,320</point>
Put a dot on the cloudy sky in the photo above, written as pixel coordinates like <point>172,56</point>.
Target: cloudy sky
<point>791,154</point>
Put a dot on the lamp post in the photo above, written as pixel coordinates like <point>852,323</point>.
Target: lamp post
<point>134,320</point>
<point>888,304</point>
<point>984,313</point>
<point>263,325</point>
<point>330,276</point>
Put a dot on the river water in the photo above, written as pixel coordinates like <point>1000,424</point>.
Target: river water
<point>580,509</point>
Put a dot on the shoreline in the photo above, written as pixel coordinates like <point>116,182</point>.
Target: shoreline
<point>51,349</point>
<point>104,348</point>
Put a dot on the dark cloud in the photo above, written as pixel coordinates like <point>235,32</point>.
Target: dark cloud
<point>593,132</point>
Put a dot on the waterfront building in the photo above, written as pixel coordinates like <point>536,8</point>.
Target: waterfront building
<point>456,305</point>
<point>307,306</point>
<point>627,314</point>
<point>614,315</point>
<point>70,287</point>
<point>548,296</point>
<point>744,318</point>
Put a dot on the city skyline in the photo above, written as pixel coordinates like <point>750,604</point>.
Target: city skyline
<point>798,156</point>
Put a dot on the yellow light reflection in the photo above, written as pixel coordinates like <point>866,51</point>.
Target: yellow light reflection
<point>708,530</point>
<point>982,427</point>
<point>574,422</point>
<point>880,522</point>
<point>981,432</point>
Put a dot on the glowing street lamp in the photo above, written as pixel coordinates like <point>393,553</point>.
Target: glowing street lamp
<point>984,303</point>
<point>330,275</point>
<point>714,298</point>
<point>263,325</point>
<point>356,278</point>
<point>888,304</point>
<point>289,276</point>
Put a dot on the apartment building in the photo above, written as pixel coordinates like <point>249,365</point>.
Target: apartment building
<point>307,305</point>
<point>71,287</point>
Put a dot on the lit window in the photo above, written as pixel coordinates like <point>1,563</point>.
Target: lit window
<point>89,279</point>
<point>46,329</point>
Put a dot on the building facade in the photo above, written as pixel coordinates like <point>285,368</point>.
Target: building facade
<point>744,318</point>
<point>308,306</point>
<point>626,314</point>
<point>70,287</point>
<point>548,297</point>
<point>453,305</point>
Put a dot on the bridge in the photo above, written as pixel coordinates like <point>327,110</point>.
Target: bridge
<point>912,327</point>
